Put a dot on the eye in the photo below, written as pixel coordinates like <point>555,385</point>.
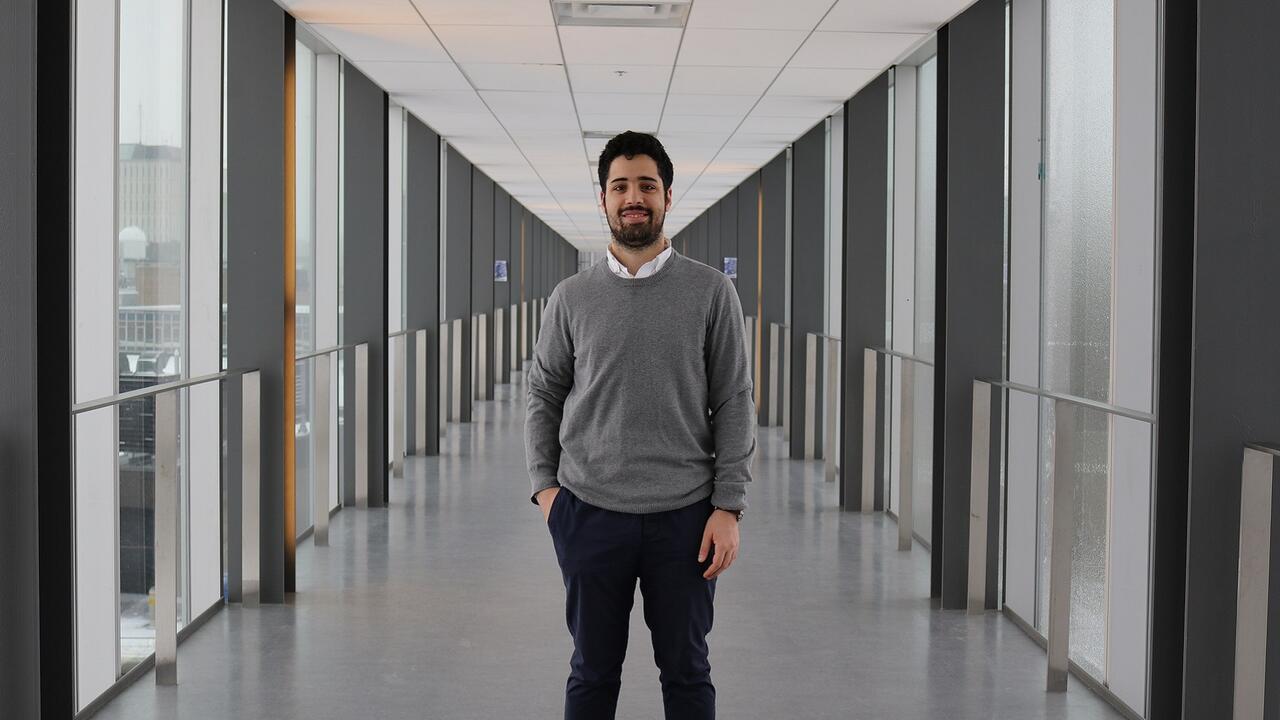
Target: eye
<point>649,187</point>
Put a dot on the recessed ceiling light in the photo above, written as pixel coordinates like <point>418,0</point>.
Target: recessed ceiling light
<point>622,13</point>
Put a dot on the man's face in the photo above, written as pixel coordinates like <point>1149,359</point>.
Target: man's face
<point>635,202</point>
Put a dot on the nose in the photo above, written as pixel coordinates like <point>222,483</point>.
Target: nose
<point>633,197</point>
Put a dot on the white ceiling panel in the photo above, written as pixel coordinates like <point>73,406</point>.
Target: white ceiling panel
<point>703,80</point>
<point>388,12</point>
<point>531,110</point>
<point>793,126</point>
<point>640,122</point>
<point>853,49</point>
<point>739,48</point>
<point>795,107</point>
<point>414,77</point>
<point>524,77</point>
<point>643,106</point>
<point>485,12</point>
<point>606,78</point>
<point>700,123</point>
<point>505,44</point>
<point>837,83</point>
<point>788,15</point>
<point>444,101</point>
<point>589,45</point>
<point>909,16</point>
<point>384,42</point>
<point>732,105</point>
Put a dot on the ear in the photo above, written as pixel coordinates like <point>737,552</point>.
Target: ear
<point>668,208</point>
<point>602,205</point>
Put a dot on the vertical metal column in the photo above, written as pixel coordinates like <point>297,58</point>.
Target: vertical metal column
<point>979,474</point>
<point>455,338</point>
<point>1061,532</point>
<point>320,432</point>
<point>906,457</point>
<point>810,393</point>
<point>830,449</point>
<point>869,361</point>
<point>250,488</point>
<point>165,610</point>
<point>775,417</point>
<point>398,401</point>
<point>420,393</point>
<point>1254,584</point>
<point>362,425</point>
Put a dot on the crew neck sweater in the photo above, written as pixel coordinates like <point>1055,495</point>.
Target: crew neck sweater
<point>639,393</point>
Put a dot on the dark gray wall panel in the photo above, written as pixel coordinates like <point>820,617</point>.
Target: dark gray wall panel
<point>1235,386</point>
<point>747,227</point>
<point>729,239</point>
<point>482,222</point>
<point>365,256</point>
<point>866,227</point>
<point>808,264</point>
<point>974,266</point>
<point>255,252</point>
<point>457,271</point>
<point>502,290</point>
<point>422,267</point>
<point>773,263</point>
<point>712,218</point>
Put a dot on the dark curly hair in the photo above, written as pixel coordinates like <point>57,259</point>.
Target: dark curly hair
<point>632,144</point>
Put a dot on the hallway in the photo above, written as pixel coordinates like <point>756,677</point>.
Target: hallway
<point>449,605</point>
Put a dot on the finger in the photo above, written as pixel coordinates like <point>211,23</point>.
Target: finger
<point>706,545</point>
<point>716,560</point>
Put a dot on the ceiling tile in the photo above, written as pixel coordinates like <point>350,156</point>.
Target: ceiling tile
<point>733,105</point>
<point>739,48</point>
<point>390,12</point>
<point>414,77</point>
<point>703,80</point>
<point>789,15</point>
<point>486,12</point>
<point>500,44</point>
<point>792,126</point>
<point>524,76</point>
<point>837,83</point>
<point>853,49</point>
<point>590,45</point>
<point>700,123</point>
<point>384,42</point>
<point>634,78</point>
<point>910,16</point>
<point>611,123</point>
<point>796,107</point>
<point>444,101</point>
<point>642,106</point>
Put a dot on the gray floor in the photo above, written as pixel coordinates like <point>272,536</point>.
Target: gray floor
<point>449,605</point>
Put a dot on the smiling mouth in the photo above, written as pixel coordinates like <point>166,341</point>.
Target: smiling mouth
<point>635,216</point>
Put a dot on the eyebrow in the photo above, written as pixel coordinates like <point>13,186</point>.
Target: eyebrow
<point>642,177</point>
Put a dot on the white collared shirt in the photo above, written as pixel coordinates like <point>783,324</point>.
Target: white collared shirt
<point>645,270</point>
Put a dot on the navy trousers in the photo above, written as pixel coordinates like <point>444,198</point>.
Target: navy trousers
<point>602,554</point>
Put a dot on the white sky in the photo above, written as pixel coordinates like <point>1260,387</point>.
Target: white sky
<point>151,71</point>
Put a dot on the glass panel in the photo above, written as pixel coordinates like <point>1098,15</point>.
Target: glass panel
<point>305,268</point>
<point>889,384</point>
<point>925,281</point>
<point>1076,293</point>
<point>151,206</point>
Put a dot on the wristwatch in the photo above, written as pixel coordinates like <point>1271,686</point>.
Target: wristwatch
<point>737,514</point>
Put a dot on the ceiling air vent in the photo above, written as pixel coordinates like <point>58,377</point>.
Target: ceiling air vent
<point>622,13</point>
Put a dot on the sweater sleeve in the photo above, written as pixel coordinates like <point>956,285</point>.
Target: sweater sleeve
<point>549,382</point>
<point>731,398</point>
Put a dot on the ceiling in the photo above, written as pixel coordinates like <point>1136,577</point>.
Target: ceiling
<point>523,97</point>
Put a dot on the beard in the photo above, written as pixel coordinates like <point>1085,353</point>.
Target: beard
<point>636,236</point>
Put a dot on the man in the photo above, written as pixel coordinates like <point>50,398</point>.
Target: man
<point>639,437</point>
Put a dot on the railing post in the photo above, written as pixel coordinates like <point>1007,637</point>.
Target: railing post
<point>906,456</point>
<point>320,432</point>
<point>870,360</point>
<point>786,382</point>
<point>165,610</point>
<point>1061,531</point>
<point>455,396</point>
<point>250,488</point>
<point>498,375</point>
<point>1253,586</point>
<point>420,393</point>
<point>830,449</point>
<point>480,360</point>
<point>810,394</point>
<point>775,401</point>
<point>400,344</point>
<point>979,474</point>
<point>442,370</point>
<point>362,425</point>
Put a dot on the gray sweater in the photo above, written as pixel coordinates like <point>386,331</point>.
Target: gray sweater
<point>639,395</point>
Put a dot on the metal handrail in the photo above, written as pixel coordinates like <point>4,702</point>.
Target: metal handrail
<point>1108,408</point>
<point>119,398</point>
<point>901,355</point>
<point>406,331</point>
<point>824,336</point>
<point>325,351</point>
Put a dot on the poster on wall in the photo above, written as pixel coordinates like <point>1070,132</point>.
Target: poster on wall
<point>499,270</point>
<point>731,267</point>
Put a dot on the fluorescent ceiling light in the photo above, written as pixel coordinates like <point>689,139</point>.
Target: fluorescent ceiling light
<point>621,13</point>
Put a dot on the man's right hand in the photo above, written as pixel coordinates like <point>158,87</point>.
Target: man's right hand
<point>545,499</point>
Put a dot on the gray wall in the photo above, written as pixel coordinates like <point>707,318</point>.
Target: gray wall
<point>422,267</point>
<point>972,259</point>
<point>729,240</point>
<point>1236,343</point>
<point>712,219</point>
<point>773,262</point>
<point>482,223</point>
<point>364,218</point>
<point>865,231</point>
<point>255,261</point>
<point>808,264</point>
<point>457,271</point>
<point>502,291</point>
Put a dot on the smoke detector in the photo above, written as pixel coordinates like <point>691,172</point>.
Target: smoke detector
<point>622,13</point>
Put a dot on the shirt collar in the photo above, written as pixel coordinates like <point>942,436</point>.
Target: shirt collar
<point>645,270</point>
